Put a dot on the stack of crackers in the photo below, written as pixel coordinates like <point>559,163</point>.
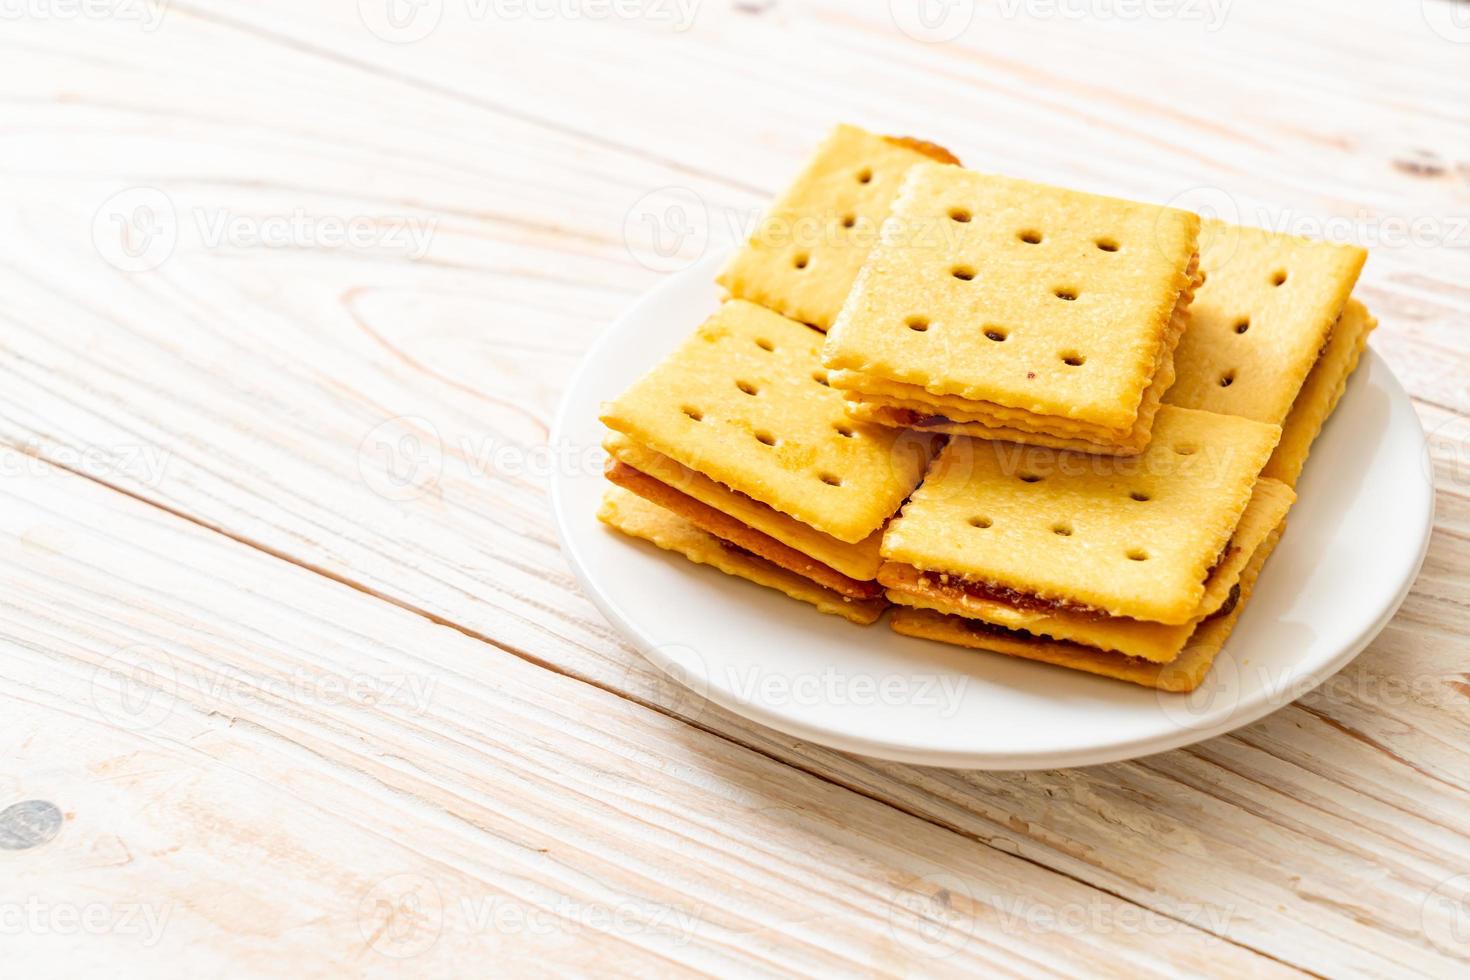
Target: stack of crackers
<point>1041,422</point>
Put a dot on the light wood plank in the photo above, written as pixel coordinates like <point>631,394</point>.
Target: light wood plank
<point>287,776</point>
<point>281,363</point>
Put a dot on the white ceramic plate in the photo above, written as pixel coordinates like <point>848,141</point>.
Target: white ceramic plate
<point>1356,538</point>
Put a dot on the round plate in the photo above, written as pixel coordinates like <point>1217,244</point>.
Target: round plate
<point>1356,539</point>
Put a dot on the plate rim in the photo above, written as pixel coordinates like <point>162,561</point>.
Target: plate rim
<point>1244,713</point>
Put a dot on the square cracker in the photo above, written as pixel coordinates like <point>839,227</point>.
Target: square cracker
<point>1137,638</point>
<point>894,403</point>
<point>1183,674</point>
<point>1070,527</point>
<point>1320,393</point>
<point>999,290</point>
<point>638,518</point>
<point>858,561</point>
<point>1260,320</point>
<point>745,401</point>
<point>802,259</point>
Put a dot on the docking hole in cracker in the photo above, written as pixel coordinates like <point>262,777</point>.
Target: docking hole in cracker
<point>983,346</point>
<point>1262,321</point>
<point>769,427</point>
<point>804,255</point>
<point>1129,552</point>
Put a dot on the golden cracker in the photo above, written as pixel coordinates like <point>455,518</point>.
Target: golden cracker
<point>872,399</point>
<point>858,561</point>
<point>1259,322</point>
<point>1183,674</point>
<point>1136,638</point>
<point>744,401</point>
<point>1000,290</point>
<point>1070,527</point>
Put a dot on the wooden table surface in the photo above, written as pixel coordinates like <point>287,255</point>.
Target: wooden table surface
<point>293,676</point>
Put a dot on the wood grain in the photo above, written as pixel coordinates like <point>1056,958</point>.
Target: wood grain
<point>286,773</point>
<point>261,391</point>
